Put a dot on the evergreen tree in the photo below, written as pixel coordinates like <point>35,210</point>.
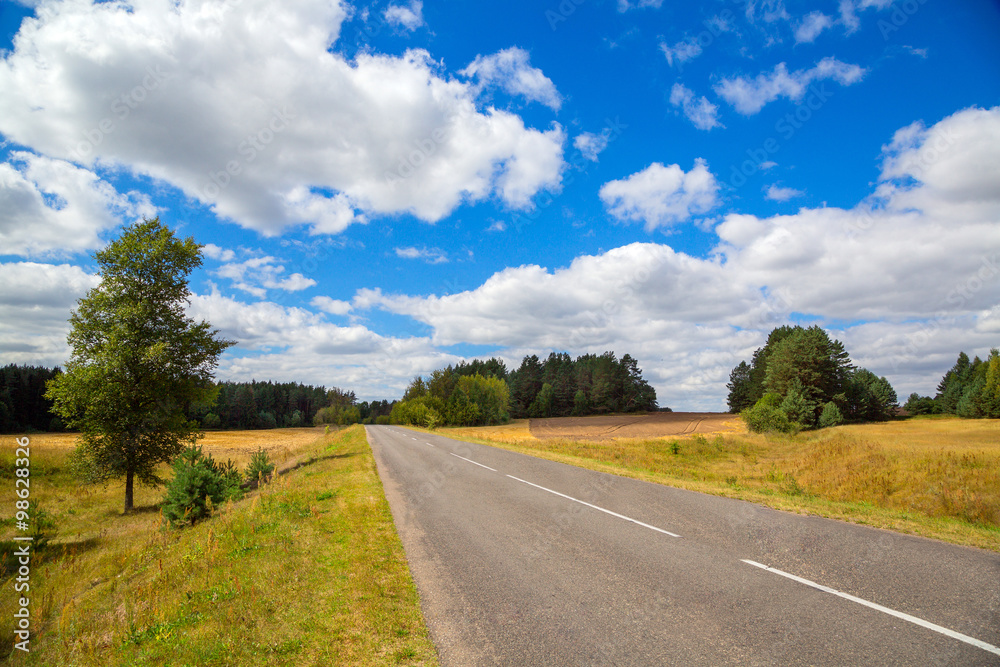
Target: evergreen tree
<point>740,388</point>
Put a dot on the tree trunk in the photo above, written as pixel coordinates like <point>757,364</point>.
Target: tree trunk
<point>129,475</point>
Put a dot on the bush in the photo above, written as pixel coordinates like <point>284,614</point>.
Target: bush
<point>211,420</point>
<point>199,484</point>
<point>382,420</point>
<point>260,467</point>
<point>831,416</point>
<point>765,418</point>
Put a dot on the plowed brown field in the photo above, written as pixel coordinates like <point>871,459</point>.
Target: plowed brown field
<point>654,425</point>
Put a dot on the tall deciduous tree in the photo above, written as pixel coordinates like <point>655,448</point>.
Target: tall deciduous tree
<point>138,362</point>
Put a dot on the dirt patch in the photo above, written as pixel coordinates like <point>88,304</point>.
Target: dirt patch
<point>653,425</point>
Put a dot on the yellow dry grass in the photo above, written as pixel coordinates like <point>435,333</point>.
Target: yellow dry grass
<point>308,570</point>
<point>935,477</point>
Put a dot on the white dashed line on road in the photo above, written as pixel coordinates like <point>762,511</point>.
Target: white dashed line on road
<point>885,610</point>
<point>473,462</point>
<point>600,509</point>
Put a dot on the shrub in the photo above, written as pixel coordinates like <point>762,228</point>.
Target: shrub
<point>765,418</point>
<point>260,467</point>
<point>199,483</point>
<point>831,416</point>
<point>211,420</point>
<point>382,420</point>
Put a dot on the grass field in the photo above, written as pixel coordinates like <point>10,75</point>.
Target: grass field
<point>934,477</point>
<point>306,571</point>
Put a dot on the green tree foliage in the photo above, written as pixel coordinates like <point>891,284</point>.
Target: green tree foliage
<point>23,404</point>
<point>239,404</point>
<point>746,382</point>
<point>954,383</point>
<point>766,417</point>
<point>920,405</point>
<point>138,362</point>
<point>806,370</point>
<point>820,365</point>
<point>199,484</point>
<point>542,405</point>
<point>607,383</point>
<point>797,406</point>
<point>740,387</point>
<point>830,416</point>
<point>259,468</point>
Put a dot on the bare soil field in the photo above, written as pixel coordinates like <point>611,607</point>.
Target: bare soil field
<point>653,425</point>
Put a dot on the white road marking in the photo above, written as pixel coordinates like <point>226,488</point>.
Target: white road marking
<point>600,509</point>
<point>885,610</point>
<point>429,444</point>
<point>471,461</point>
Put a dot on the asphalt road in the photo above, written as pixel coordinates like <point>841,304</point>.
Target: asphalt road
<point>522,561</point>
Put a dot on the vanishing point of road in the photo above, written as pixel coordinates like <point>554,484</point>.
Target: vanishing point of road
<point>523,561</point>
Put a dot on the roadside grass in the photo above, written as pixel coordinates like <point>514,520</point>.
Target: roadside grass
<point>308,570</point>
<point>938,478</point>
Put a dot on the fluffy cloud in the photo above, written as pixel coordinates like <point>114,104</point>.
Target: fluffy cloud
<point>913,267</point>
<point>429,255</point>
<point>259,274</point>
<point>778,193</point>
<point>244,107</point>
<point>407,17</point>
<point>748,96</point>
<point>682,51</point>
<point>511,71</point>
<point>660,196</point>
<point>293,344</point>
<point>701,112</point>
<point>591,145</point>
<point>811,26</point>
<point>35,305</point>
<point>54,207</point>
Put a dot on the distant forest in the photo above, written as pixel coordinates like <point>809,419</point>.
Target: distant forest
<point>554,387</point>
<point>238,405</point>
<point>970,389</point>
<point>485,392</point>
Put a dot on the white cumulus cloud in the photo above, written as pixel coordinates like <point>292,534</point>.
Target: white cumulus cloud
<point>54,207</point>
<point>511,71</point>
<point>660,196</point>
<point>246,108</point>
<point>699,111</point>
<point>409,17</point>
<point>749,96</point>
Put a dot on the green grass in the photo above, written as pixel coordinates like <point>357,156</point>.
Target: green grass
<point>938,478</point>
<point>306,571</point>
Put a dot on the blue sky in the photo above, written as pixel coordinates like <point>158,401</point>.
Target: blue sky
<point>386,188</point>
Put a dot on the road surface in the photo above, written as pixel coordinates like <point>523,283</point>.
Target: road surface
<point>522,561</point>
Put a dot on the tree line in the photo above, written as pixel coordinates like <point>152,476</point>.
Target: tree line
<point>802,378</point>
<point>24,407</point>
<point>969,389</point>
<point>485,392</point>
